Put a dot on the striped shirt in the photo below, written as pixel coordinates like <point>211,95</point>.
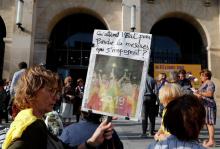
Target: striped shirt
<point>3,132</point>
<point>173,143</point>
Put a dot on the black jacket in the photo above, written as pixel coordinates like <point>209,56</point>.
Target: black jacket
<point>36,136</point>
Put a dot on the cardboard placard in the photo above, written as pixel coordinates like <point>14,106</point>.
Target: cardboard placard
<point>116,75</point>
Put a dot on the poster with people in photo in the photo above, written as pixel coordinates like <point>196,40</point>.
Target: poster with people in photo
<point>117,72</point>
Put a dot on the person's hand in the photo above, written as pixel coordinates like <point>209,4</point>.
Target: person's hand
<point>104,131</point>
<point>160,136</point>
<point>198,95</point>
<point>194,90</point>
<point>156,136</point>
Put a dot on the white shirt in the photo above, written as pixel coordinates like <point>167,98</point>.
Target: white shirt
<point>14,81</point>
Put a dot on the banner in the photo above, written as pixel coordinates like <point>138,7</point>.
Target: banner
<point>192,71</point>
<point>116,75</point>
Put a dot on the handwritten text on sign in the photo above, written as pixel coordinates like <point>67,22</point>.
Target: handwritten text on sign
<point>124,44</point>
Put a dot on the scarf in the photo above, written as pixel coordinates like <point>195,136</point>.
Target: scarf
<point>20,123</point>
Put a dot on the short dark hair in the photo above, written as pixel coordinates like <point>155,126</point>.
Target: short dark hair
<point>22,65</point>
<point>164,75</point>
<point>185,117</point>
<point>92,117</point>
<point>206,73</point>
<point>182,71</point>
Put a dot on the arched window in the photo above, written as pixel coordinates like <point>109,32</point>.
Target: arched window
<point>176,41</point>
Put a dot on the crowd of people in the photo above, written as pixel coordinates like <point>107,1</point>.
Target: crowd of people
<point>180,87</point>
<point>37,91</point>
<point>40,103</point>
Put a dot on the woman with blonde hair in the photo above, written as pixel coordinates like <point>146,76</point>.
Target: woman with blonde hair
<point>184,118</point>
<point>36,94</point>
<point>166,94</point>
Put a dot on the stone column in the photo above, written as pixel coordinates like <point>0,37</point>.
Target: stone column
<point>214,55</point>
<point>7,58</point>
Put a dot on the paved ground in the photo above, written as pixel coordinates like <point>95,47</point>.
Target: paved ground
<point>130,131</point>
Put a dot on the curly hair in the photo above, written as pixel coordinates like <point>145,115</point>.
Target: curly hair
<point>182,71</point>
<point>206,73</point>
<point>32,81</point>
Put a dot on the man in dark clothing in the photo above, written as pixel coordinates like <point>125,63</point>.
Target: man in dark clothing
<point>73,134</point>
<point>149,106</point>
<point>3,102</point>
<point>184,82</point>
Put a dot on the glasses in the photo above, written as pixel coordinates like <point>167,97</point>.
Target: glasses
<point>53,92</point>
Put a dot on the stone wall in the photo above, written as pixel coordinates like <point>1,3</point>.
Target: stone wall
<point>40,17</point>
<point>204,19</point>
<point>109,12</point>
<point>17,42</point>
<point>7,12</point>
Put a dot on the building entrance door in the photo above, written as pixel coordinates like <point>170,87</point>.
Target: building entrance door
<point>70,45</point>
<point>176,41</point>
<point>2,45</point>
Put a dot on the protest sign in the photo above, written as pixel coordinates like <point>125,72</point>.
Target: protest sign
<point>116,75</point>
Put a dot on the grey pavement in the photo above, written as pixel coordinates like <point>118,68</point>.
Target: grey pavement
<point>130,131</point>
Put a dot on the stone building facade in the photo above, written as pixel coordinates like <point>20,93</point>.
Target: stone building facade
<point>41,16</point>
